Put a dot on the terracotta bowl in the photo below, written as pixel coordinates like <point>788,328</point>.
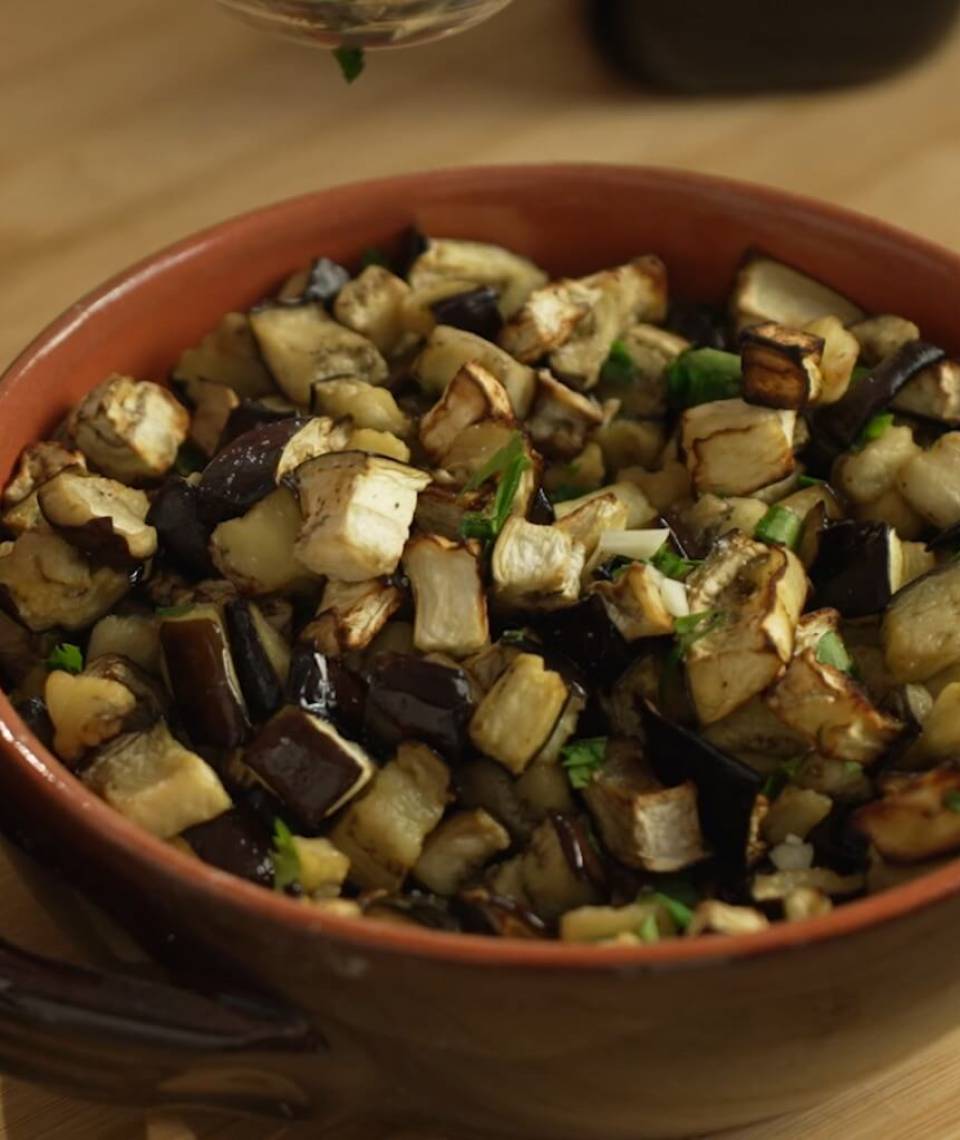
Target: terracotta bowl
<point>501,1038</point>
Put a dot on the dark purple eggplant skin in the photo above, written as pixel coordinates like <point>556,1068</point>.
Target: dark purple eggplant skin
<point>836,427</point>
<point>702,325</point>
<point>727,789</point>
<point>236,842</point>
<point>851,571</point>
<point>196,653</point>
<point>474,310</point>
<point>541,509</point>
<point>302,766</point>
<point>580,853</point>
<point>262,688</point>
<point>947,539</point>
<point>244,472</point>
<point>248,415</point>
<point>585,634</point>
<point>326,687</point>
<point>838,844</point>
<point>183,539</point>
<point>409,245</point>
<point>410,698</point>
<point>100,541</point>
<point>481,912</point>
<point>33,713</point>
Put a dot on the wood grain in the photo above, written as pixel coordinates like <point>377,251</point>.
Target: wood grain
<point>128,123</point>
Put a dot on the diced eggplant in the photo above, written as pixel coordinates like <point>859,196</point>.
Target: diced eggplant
<point>322,868</point>
<point>154,781</point>
<point>485,784</point>
<point>769,290</point>
<point>303,345</point>
<point>366,405</point>
<point>540,512</point>
<point>940,733</point>
<point>321,282</point>
<point>261,658</point>
<point>727,789</point>
<point>201,675</point>
<point>635,602</point>
<point>781,366</point>
<point>129,430</point>
<point>838,357</point>
<point>536,567</point>
<point>735,448</point>
<point>244,472</point>
<point>133,636</point>
<point>883,336</point>
<point>86,712</point>
<point>585,634</point>
<point>756,594</point>
<point>326,687</point>
<point>643,823</point>
<point>37,464</point>
<point>514,277</point>
<point>447,350</point>
<point>412,698</point>
<point>33,712</point>
<point>754,735</point>
<point>412,908</point>
<point>474,310</point>
<point>546,876</point>
<point>211,406</point>
<point>357,510</point>
<point>933,394</point>
<point>712,916</point>
<point>806,902</point>
<point>360,610</point>
<point>796,811</point>
<point>838,426</point>
<point>458,849</point>
<point>781,885</point>
<point>561,418</point>
<point>257,552</point>
<point>825,704</point>
<point>473,395</point>
<point>306,763</point>
<point>236,842</point>
<point>482,912</point>
<point>549,318</point>
<point>640,511</point>
<point>858,567</point>
<point>101,517</point>
<point>378,443</point>
<point>930,482</point>
<point>45,582</point>
<point>914,820</point>
<point>372,305</point>
<point>921,628</point>
<point>183,538</point>
<point>383,833</point>
<point>228,356</point>
<point>26,515</point>
<point>151,696</point>
<point>250,414</point>
<point>602,518</point>
<point>449,596</point>
<point>317,436</point>
<point>516,718</point>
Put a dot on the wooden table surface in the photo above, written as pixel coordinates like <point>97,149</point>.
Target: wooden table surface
<point>128,123</point>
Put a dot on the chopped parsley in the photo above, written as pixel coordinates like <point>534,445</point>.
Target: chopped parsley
<point>875,428</point>
<point>810,481</point>
<point>286,861</point>
<point>951,801</point>
<point>649,929</point>
<point>66,657</point>
<point>671,564</point>
<point>619,369</point>
<point>690,629</point>
<point>780,526</point>
<point>507,465</point>
<point>702,375</point>
<point>785,774</point>
<point>832,651</point>
<point>351,60</point>
<point>582,759</point>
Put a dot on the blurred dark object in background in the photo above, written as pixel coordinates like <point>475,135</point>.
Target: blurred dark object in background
<point>703,46</point>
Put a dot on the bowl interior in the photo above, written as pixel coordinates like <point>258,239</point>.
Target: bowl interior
<point>570,219</point>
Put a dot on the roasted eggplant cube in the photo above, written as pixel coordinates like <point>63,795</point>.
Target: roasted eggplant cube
<point>769,290</point>
<point>516,718</point>
<point>383,833</point>
<point>129,430</point>
<point>86,712</point>
<point>200,671</point>
<point>449,596</point>
<point>366,405</point>
<point>921,627</point>
<point>322,867</point>
<point>473,395</point>
<point>474,311</point>
<point>915,820</point>
<point>930,482</point>
<point>183,538</point>
<point>308,765</point>
<point>447,350</point>
<point>585,634</point>
<point>858,567</point>
<point>260,655</point>
<point>735,448</point>
<point>781,367</point>
<point>38,464</point>
<point>933,393</point>
<point>635,604</point>
<point>478,263</point>
<point>359,610</point>
<point>411,698</point>
<point>643,823</point>
<point>99,516</point>
<point>357,510</point>
<point>157,783</point>
<point>257,552</point>
<point>236,842</point>
<point>244,472</point>
<point>536,567</point>
<point>228,356</point>
<point>326,687</point>
<point>372,304</point>
<point>457,850</point>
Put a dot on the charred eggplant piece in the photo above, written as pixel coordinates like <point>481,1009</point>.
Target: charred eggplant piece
<point>308,765</point>
<point>250,414</point>
<point>727,788</point>
<point>702,325</point>
<point>413,908</point>
<point>326,687</point>
<point>857,568</point>
<point>585,634</point>
<point>475,311</point>
<point>541,512</point>
<point>101,517</point>
<point>202,677</point>
<point>33,713</point>
<point>174,514</point>
<point>244,472</point>
<point>261,658</point>
<point>482,912</point>
<point>411,698</point>
<point>236,842</point>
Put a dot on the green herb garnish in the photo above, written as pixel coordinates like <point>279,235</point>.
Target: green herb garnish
<point>785,774</point>
<point>564,493</point>
<point>619,368</point>
<point>702,375</point>
<point>860,371</point>
<point>781,526</point>
<point>951,801</point>
<point>190,459</point>
<point>690,629</point>
<point>351,60</point>
<point>286,861</point>
<point>874,428</point>
<point>516,636</point>
<point>832,651</point>
<point>174,611</point>
<point>649,929</point>
<point>582,759</point>
<point>810,481</point>
<point>507,465</point>
<point>66,657</point>
<point>681,914</point>
<point>671,564</point>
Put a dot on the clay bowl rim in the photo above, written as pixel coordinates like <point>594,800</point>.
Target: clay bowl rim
<point>64,793</point>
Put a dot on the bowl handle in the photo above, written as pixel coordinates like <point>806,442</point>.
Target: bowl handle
<point>105,1035</point>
